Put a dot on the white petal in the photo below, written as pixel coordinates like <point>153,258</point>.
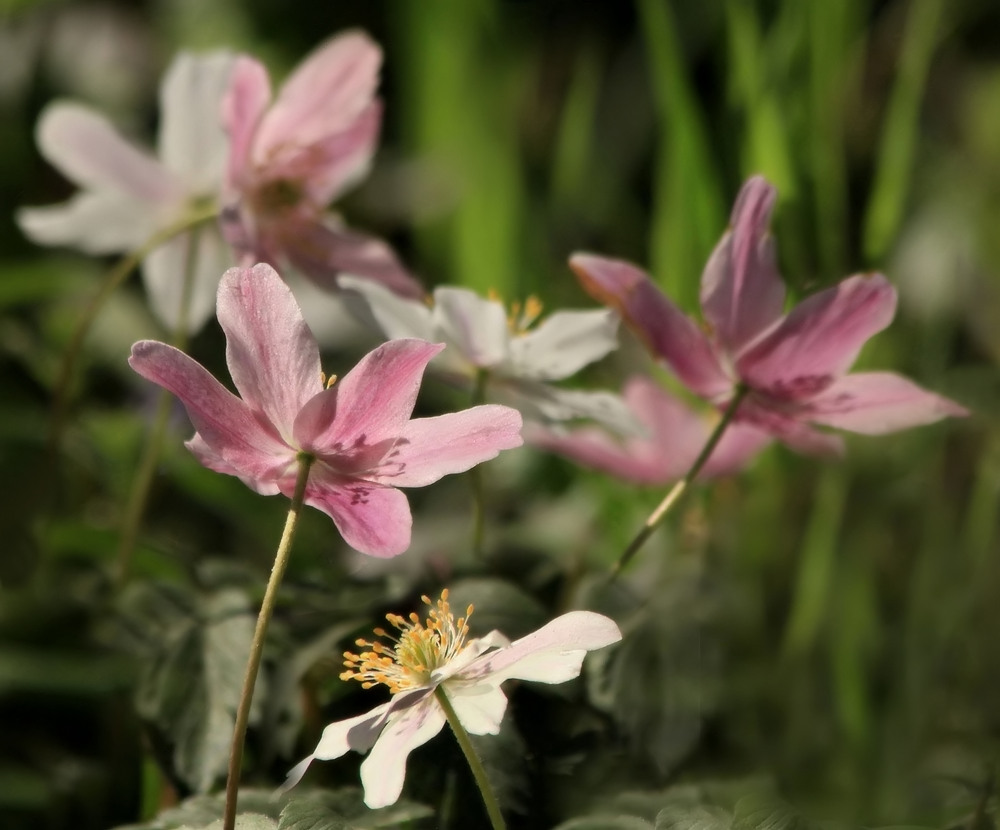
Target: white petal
<point>384,769</point>
<point>564,343</point>
<point>475,326</point>
<point>163,274</point>
<point>192,142</point>
<point>95,222</point>
<point>544,402</point>
<point>343,735</point>
<point>480,706</point>
<point>553,654</point>
<point>396,316</point>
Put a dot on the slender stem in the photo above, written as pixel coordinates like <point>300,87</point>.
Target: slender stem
<point>476,476</point>
<point>143,481</point>
<point>678,489</point>
<point>116,276</point>
<point>472,757</point>
<point>257,646</point>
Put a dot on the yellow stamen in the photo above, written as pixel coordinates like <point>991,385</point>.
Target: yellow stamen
<point>420,649</point>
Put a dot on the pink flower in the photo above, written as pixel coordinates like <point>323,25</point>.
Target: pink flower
<point>794,365</point>
<point>436,657</point>
<point>358,430</point>
<point>674,437</point>
<point>291,158</point>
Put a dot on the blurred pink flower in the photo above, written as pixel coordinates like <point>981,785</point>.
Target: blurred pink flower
<point>674,437</point>
<point>358,430</point>
<point>127,195</point>
<point>290,158</point>
<point>795,364</point>
<point>437,657</point>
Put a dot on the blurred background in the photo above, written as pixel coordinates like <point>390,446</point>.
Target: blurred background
<point>833,626</point>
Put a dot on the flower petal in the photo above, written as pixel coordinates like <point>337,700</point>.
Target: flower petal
<point>480,706</point>
<point>272,355</point>
<point>372,518</point>
<point>94,221</point>
<point>90,152</point>
<point>384,770</point>
<point>429,448</point>
<point>395,316</point>
<point>208,457</point>
<point>666,331</point>
<point>163,274</point>
<point>563,343</point>
<point>192,141</point>
<point>371,404</point>
<point>552,654</point>
<point>874,403</point>
<point>820,339</point>
<point>243,106</point>
<point>544,402</point>
<point>324,96</point>
<point>741,291</point>
<point>789,428</point>
<point>223,422</point>
<point>477,327</point>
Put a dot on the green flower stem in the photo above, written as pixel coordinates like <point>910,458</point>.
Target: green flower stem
<point>476,476</point>
<point>678,489</point>
<point>257,646</point>
<point>475,764</point>
<point>116,276</point>
<point>143,481</point>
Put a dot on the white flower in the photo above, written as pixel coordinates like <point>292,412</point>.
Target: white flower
<point>436,657</point>
<point>519,357</point>
<point>127,195</point>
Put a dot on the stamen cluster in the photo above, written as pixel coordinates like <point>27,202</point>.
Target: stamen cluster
<point>420,649</point>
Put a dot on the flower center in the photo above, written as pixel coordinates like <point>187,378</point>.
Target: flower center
<point>521,316</point>
<point>275,196</point>
<point>407,661</point>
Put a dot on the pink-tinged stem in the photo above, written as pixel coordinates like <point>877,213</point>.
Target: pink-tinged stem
<point>675,492</point>
<point>257,646</point>
<point>472,757</point>
<point>143,481</point>
<point>116,276</point>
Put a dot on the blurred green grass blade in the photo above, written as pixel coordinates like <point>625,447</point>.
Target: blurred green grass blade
<point>901,129</point>
<point>688,209</point>
<point>766,149</point>
<point>571,165</point>
<point>814,582</point>
<point>980,521</point>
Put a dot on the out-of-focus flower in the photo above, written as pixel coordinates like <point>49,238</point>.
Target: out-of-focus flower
<point>793,365</point>
<point>128,196</point>
<point>518,358</point>
<point>358,431</point>
<point>674,437</point>
<point>291,158</point>
<point>427,660</point>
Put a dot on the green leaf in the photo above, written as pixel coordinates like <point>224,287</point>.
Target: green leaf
<point>605,823</point>
<point>498,605</point>
<point>503,756</point>
<point>762,811</point>
<point>203,811</point>
<point>345,809</point>
<point>678,817</point>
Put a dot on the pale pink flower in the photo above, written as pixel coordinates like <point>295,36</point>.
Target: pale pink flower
<point>358,430</point>
<point>674,436</point>
<point>290,158</point>
<point>127,195</point>
<point>794,364</point>
<point>426,659</point>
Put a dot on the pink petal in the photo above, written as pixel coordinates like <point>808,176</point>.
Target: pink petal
<point>553,654</point>
<point>324,96</point>
<point>89,151</point>
<point>667,332</point>
<point>224,422</point>
<point>739,444</point>
<point>429,448</point>
<point>272,355</point>
<point>371,404</point>
<point>874,403</point>
<point>789,428</point>
<point>741,291</point>
<point>323,249</point>
<point>242,108</point>
<point>384,770</point>
<point>820,339</point>
<point>371,518</point>
<point>209,458</point>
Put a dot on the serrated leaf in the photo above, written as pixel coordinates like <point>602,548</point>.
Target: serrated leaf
<point>700,817</point>
<point>608,822</point>
<point>244,821</point>
<point>761,811</point>
<point>345,809</point>
<point>195,652</point>
<point>205,810</point>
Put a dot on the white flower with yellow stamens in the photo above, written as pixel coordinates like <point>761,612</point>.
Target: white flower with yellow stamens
<point>433,658</point>
<point>519,354</point>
